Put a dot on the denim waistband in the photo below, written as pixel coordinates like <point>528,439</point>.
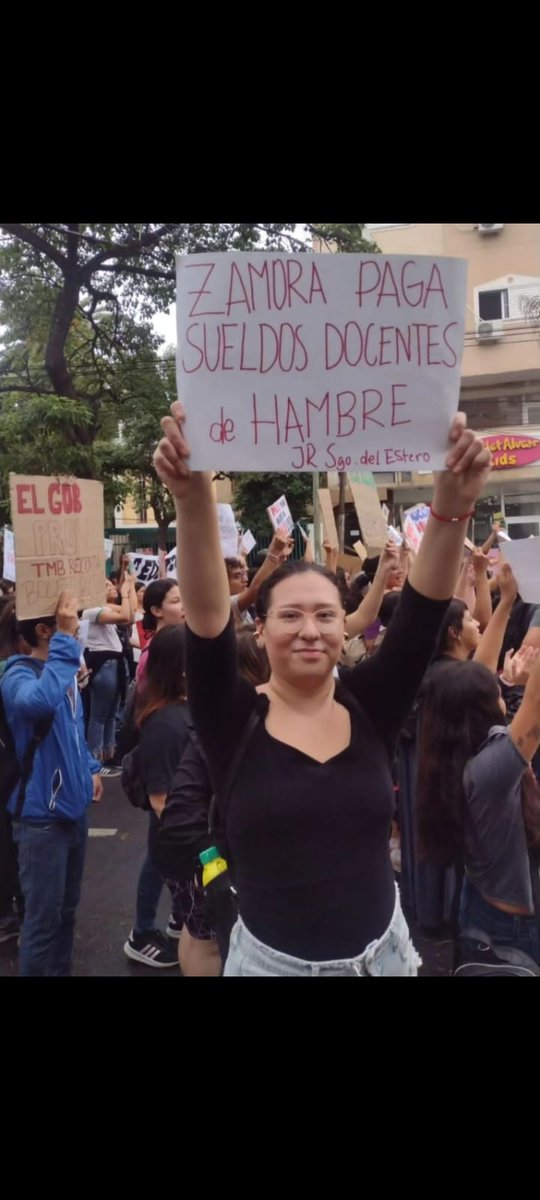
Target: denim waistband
<point>394,940</point>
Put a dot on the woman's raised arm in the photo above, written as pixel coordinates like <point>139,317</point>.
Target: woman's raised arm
<point>205,588</point>
<point>436,567</point>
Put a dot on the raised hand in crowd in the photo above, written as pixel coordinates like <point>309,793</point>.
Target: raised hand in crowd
<point>67,620</point>
<point>517,665</point>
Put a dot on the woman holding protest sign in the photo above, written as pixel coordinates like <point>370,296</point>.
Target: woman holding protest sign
<point>308,814</point>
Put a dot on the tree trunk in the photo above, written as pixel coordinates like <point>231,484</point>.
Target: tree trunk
<point>55,360</point>
<point>163,525</point>
<point>341,511</point>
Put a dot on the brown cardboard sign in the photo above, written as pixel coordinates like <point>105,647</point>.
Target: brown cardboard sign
<point>329,521</point>
<point>360,550</point>
<point>58,528</point>
<point>368,511</point>
<point>350,562</point>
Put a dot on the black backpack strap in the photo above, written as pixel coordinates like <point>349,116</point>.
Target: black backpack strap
<point>249,729</point>
<point>39,733</point>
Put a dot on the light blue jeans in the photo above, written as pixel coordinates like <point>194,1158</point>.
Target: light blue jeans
<point>101,733</point>
<point>391,954</point>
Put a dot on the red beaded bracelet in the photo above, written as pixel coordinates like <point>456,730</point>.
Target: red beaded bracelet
<point>450,520</point>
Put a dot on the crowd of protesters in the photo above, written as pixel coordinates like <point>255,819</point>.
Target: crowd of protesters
<point>363,750</point>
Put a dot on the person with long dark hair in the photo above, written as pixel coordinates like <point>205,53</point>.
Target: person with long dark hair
<point>430,890</point>
<point>478,800</point>
<point>308,815</point>
<point>161,716</point>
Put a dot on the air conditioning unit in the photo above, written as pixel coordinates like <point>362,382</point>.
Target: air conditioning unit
<point>489,331</point>
<point>485,229</point>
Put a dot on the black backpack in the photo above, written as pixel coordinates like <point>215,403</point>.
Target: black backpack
<point>128,750</point>
<point>11,771</point>
<point>190,821</point>
<point>131,780</point>
<point>477,955</point>
<point>183,827</point>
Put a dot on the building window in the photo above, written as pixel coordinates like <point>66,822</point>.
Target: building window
<point>493,306</point>
<point>532,413</point>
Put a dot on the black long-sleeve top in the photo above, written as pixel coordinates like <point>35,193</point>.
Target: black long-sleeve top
<point>308,841</point>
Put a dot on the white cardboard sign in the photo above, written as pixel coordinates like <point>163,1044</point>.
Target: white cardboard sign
<point>147,566</point>
<point>523,554</point>
<point>280,516</point>
<point>9,556</point>
<point>248,542</point>
<point>414,523</point>
<point>228,533</point>
<point>319,362</point>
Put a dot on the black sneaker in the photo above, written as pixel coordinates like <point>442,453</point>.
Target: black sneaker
<point>10,927</point>
<point>154,949</point>
<point>109,772</point>
<point>174,928</point>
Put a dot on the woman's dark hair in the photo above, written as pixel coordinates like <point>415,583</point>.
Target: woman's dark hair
<point>10,635</point>
<point>233,564</point>
<point>370,567</point>
<point>252,658</point>
<point>27,628</point>
<point>388,607</point>
<point>139,585</point>
<point>164,680</point>
<point>153,598</point>
<point>356,592</point>
<point>453,620</point>
<point>343,586</point>
<point>459,706</point>
<point>285,572</point>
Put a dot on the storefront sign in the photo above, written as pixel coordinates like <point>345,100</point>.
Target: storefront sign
<point>512,450</point>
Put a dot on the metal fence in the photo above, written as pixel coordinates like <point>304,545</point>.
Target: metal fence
<point>126,541</point>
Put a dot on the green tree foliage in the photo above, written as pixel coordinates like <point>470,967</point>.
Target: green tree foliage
<point>345,239</point>
<point>254,493</point>
<point>79,357</point>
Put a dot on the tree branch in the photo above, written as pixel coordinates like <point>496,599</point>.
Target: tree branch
<point>133,246</point>
<point>117,269</point>
<point>27,388</point>
<point>39,243</point>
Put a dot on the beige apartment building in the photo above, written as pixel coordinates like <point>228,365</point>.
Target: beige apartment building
<point>500,389</point>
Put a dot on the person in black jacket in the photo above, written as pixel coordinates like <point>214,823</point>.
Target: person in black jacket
<point>184,832</point>
<point>161,716</point>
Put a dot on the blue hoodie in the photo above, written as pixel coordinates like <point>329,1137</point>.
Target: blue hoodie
<point>60,785</point>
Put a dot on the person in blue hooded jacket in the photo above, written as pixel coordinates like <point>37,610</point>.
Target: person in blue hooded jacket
<point>52,829</point>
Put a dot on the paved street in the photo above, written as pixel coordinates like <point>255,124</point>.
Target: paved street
<point>105,916</point>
